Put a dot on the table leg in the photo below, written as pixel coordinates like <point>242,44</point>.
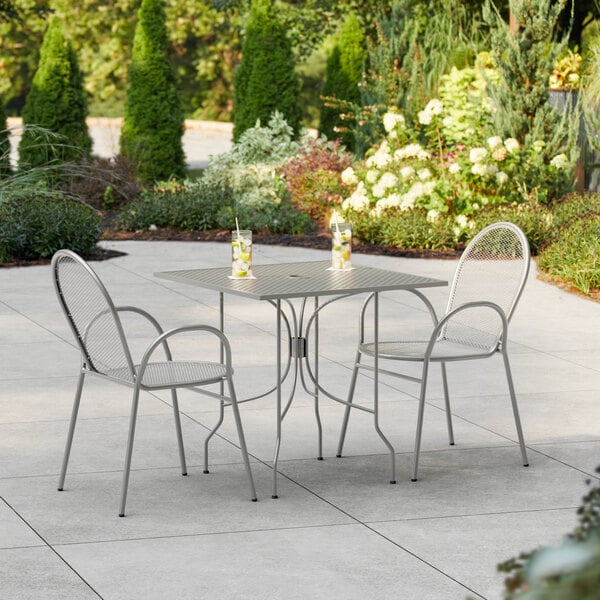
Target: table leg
<point>317,414</point>
<point>278,436</point>
<point>376,386</point>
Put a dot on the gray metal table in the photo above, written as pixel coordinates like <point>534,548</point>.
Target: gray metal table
<point>280,283</point>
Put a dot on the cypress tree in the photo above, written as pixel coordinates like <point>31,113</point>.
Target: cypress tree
<point>4,144</point>
<point>153,124</point>
<point>56,102</point>
<point>266,80</point>
<point>342,76</point>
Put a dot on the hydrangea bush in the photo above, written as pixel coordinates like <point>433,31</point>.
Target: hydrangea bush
<point>447,164</point>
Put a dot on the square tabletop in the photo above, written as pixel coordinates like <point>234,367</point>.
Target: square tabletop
<point>301,280</point>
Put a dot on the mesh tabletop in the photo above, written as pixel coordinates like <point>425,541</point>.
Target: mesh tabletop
<point>300,280</point>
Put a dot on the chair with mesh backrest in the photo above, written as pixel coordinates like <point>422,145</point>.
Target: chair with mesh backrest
<point>487,285</point>
<point>97,326</point>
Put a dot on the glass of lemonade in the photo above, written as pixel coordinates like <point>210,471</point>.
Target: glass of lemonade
<point>241,254</point>
<point>341,246</point>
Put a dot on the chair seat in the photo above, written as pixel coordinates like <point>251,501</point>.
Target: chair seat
<point>415,350</point>
<point>174,373</point>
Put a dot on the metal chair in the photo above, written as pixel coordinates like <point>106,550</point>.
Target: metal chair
<point>98,329</point>
<point>487,285</point>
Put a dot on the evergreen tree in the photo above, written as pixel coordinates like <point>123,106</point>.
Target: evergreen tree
<point>153,123</point>
<point>57,103</point>
<point>4,144</point>
<point>266,80</point>
<point>342,76</point>
<point>525,59</point>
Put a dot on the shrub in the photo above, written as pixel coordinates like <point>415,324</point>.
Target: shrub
<point>153,122</point>
<point>104,183</point>
<point>413,229</point>
<point>427,167</point>
<point>313,178</point>
<point>250,169</point>
<point>36,227</point>
<point>525,60</point>
<point>575,257</point>
<point>408,229</point>
<point>573,207</point>
<point>536,221</point>
<point>57,103</point>
<point>415,43</point>
<point>189,205</point>
<point>266,80</point>
<point>281,218</point>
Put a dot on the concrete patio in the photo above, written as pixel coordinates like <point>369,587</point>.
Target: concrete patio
<point>339,530</point>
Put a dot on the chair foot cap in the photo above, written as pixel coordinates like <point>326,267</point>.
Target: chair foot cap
<point>338,456</point>
<point>319,458</point>
<point>60,489</point>
<point>413,479</point>
<point>206,471</point>
<point>254,499</point>
<point>392,481</point>
<point>184,474</point>
<point>526,465</point>
<point>122,515</point>
<point>274,496</point>
<point>452,444</point>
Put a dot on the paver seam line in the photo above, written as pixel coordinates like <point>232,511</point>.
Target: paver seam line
<point>51,548</point>
<point>483,514</point>
<point>202,534</point>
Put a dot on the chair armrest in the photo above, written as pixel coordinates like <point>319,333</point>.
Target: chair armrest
<point>142,312</point>
<point>151,319</point>
<point>465,308</point>
<point>162,340</point>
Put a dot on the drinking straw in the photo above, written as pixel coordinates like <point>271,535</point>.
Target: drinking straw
<point>237,226</point>
<point>335,220</point>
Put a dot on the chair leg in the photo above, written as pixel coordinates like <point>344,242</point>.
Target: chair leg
<point>420,419</point>
<point>348,406</point>
<point>74,413</point>
<point>513,399</point>
<point>129,451</point>
<point>178,430</point>
<point>212,432</point>
<point>241,437</point>
<point>447,404</point>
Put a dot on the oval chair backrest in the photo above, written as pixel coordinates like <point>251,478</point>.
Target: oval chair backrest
<point>91,314</point>
<point>493,268</point>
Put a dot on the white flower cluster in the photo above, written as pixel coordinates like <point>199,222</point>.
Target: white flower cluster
<point>349,176</point>
<point>391,120</point>
<point>434,107</point>
<point>560,161</point>
<point>407,200</point>
<point>411,151</point>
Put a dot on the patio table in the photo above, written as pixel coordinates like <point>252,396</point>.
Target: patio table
<point>279,284</point>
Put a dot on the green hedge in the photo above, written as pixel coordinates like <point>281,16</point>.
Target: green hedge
<point>32,228</point>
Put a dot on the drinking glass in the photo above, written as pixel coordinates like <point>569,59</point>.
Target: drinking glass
<point>341,246</point>
<point>241,254</point>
